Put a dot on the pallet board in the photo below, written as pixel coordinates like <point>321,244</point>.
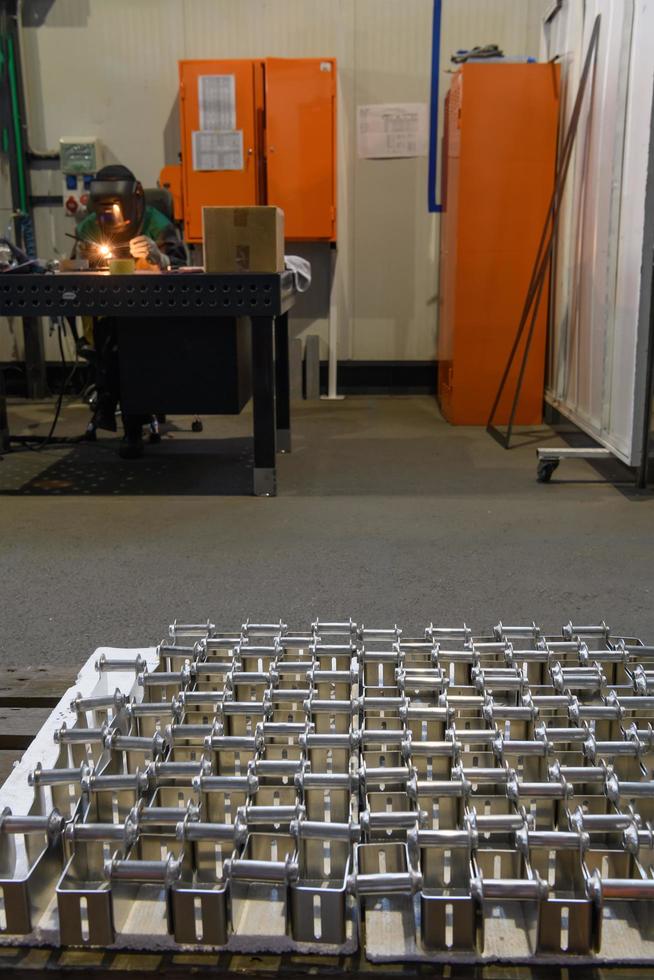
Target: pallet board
<point>27,695</point>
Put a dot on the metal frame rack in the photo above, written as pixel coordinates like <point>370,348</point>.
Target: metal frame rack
<point>309,790</point>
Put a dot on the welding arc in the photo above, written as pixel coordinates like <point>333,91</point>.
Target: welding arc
<point>104,249</point>
<point>85,241</point>
<point>545,249</point>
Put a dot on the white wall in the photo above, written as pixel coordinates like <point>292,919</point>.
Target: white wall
<point>95,67</point>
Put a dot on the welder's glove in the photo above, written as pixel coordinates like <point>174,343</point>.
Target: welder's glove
<point>143,247</point>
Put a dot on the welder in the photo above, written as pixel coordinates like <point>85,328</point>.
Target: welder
<point>120,224</point>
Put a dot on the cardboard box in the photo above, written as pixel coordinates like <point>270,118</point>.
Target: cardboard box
<point>243,239</point>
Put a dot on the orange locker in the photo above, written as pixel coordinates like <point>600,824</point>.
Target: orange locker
<point>498,176</point>
<point>285,109</point>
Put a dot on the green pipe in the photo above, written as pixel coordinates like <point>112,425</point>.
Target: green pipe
<point>15,115</point>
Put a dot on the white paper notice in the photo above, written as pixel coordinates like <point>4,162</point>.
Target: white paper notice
<point>218,151</point>
<point>217,101</point>
<point>393,130</point>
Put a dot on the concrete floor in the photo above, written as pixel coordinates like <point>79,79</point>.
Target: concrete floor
<point>385,513</point>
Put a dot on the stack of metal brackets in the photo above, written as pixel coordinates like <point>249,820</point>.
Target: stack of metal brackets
<point>273,784</point>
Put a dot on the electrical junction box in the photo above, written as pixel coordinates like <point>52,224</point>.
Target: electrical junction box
<point>80,160</point>
<point>80,156</point>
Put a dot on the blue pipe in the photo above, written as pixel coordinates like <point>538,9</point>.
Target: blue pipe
<point>434,208</point>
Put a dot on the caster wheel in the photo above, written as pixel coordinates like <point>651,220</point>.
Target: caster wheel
<point>90,396</point>
<point>545,470</point>
<point>197,426</point>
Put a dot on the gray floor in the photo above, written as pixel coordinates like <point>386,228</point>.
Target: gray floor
<point>385,514</point>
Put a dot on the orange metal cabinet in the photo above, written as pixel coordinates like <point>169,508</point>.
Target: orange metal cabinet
<point>224,187</point>
<point>286,108</point>
<point>500,145</point>
<point>300,144</point>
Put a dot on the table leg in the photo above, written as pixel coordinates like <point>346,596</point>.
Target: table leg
<point>282,384</point>
<point>34,357</point>
<point>4,421</point>
<point>263,389</point>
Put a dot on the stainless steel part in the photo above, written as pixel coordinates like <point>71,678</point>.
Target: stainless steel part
<point>317,776</point>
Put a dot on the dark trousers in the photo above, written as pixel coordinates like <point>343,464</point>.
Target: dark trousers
<point>107,375</point>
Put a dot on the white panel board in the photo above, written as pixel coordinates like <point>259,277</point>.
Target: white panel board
<point>598,317</point>
<point>635,247</point>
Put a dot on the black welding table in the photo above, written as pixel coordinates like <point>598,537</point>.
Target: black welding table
<point>145,304</point>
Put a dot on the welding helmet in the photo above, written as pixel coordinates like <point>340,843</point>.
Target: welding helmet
<point>117,199</point>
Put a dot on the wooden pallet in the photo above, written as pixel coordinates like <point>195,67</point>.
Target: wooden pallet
<point>27,696</point>
<point>52,964</point>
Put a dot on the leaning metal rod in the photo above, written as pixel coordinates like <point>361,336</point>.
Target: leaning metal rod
<point>537,272</point>
<point>542,273</point>
<point>525,353</point>
<point>543,257</point>
<point>542,260</point>
<point>541,263</point>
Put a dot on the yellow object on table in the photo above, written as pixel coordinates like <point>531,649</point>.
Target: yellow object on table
<point>121,267</point>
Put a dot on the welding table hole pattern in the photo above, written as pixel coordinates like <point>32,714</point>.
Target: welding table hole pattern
<point>146,294</point>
